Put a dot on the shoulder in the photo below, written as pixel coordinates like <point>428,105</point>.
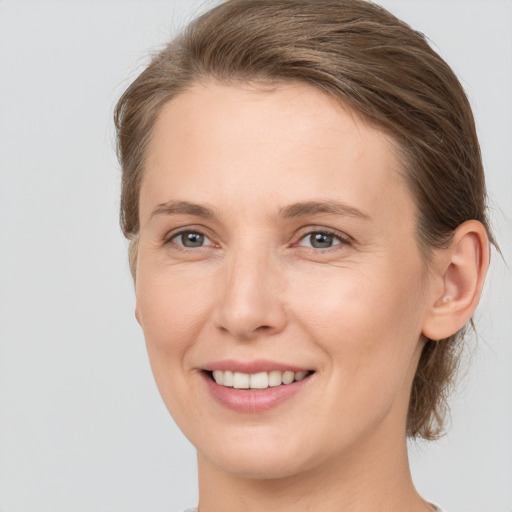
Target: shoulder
<point>437,508</point>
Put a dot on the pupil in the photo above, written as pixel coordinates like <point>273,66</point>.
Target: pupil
<point>321,240</point>
<point>193,239</point>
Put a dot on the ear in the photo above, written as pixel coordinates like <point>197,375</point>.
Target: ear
<point>459,274</point>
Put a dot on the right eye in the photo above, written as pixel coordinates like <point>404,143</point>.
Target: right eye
<point>190,239</point>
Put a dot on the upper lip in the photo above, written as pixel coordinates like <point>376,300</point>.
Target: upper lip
<point>253,366</point>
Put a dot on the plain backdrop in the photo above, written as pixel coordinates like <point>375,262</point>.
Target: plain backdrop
<point>82,427</point>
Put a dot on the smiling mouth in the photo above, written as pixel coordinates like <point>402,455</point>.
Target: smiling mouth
<point>257,381</point>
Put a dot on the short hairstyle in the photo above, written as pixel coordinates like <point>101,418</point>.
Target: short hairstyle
<point>367,60</point>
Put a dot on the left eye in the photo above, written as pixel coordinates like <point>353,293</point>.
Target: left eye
<point>191,239</point>
<point>320,240</point>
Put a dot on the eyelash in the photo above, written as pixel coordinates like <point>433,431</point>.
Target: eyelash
<point>344,240</point>
<point>173,236</point>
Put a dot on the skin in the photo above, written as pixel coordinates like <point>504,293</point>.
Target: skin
<point>355,313</point>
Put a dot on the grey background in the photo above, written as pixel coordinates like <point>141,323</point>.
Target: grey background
<point>82,427</point>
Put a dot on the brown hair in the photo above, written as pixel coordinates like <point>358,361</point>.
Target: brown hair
<point>370,61</point>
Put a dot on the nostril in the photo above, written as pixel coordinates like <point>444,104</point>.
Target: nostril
<point>263,328</point>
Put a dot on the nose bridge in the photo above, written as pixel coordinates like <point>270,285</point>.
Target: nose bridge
<point>250,302</point>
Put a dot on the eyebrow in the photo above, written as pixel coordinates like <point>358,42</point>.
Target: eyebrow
<point>295,210</point>
<point>182,207</point>
<point>315,207</point>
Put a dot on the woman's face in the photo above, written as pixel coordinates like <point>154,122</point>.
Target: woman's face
<point>278,240</point>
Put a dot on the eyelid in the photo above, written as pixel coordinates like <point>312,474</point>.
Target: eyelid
<point>308,230</point>
<point>303,233</point>
<point>171,235</point>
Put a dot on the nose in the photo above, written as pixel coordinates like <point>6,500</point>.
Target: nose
<point>250,303</point>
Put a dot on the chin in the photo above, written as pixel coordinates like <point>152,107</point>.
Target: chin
<point>258,457</point>
<point>260,466</point>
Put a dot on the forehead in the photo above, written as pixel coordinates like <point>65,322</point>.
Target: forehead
<point>254,146</point>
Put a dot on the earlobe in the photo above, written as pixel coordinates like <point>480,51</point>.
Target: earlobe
<point>462,268</point>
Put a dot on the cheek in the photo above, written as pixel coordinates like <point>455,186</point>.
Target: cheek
<point>173,309</point>
<point>172,306</point>
<point>368,323</point>
<point>368,328</point>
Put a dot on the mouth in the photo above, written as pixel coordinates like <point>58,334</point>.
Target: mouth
<point>257,381</point>
<point>255,386</point>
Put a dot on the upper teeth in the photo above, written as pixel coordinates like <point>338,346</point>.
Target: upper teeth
<point>261,380</point>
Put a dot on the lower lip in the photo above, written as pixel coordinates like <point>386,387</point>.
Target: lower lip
<point>252,401</point>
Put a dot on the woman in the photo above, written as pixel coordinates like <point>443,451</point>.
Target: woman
<point>305,200</point>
